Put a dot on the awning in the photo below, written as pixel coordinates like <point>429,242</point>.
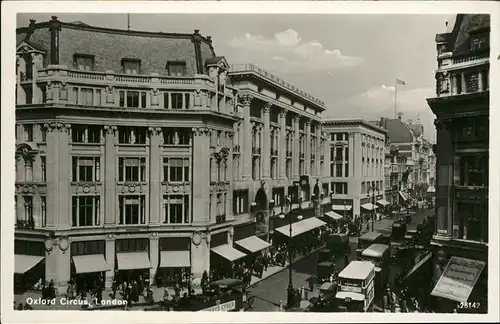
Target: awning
<point>253,244</point>
<point>418,265</point>
<point>403,195</point>
<point>228,252</point>
<point>23,263</point>
<point>333,215</point>
<point>383,202</point>
<point>90,263</point>
<point>175,259</point>
<point>369,206</point>
<point>133,260</point>
<point>341,207</point>
<point>458,279</point>
<point>301,227</point>
<point>431,189</point>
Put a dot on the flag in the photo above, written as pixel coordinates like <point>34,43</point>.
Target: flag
<point>398,81</point>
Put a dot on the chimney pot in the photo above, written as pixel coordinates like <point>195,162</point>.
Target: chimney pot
<point>209,39</point>
<point>54,18</point>
<point>32,22</point>
<point>196,31</point>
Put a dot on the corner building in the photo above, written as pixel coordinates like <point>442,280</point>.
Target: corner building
<point>115,133</point>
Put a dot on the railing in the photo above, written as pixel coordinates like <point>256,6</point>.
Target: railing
<point>274,152</point>
<point>236,148</point>
<point>256,150</point>
<point>464,59</point>
<point>25,224</point>
<point>322,158</point>
<point>313,156</point>
<point>289,154</point>
<point>302,155</point>
<point>253,68</point>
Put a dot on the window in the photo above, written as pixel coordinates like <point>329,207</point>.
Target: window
<point>44,133</point>
<point>86,97</point>
<point>176,169</point>
<point>132,245</point>
<point>176,68</point>
<point>479,42</point>
<point>28,208</point>
<point>43,162</point>
<point>28,91</point>
<point>43,211</point>
<point>176,209</point>
<point>83,62</point>
<point>472,222</point>
<point>28,132</point>
<point>132,99</point>
<point>289,168</point>
<point>177,100</point>
<point>131,66</point>
<point>85,169</point>
<point>131,169</point>
<point>132,135</point>
<point>338,170</point>
<point>85,211</point>
<point>474,170</point>
<point>88,247</point>
<point>340,188</point>
<point>339,154</point>
<point>240,202</point>
<point>346,169</point>
<point>28,168</point>
<point>132,210</point>
<point>86,134</point>
<point>176,136</point>
<point>278,196</point>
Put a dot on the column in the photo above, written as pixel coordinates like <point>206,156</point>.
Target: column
<point>356,150</point>
<point>444,176</point>
<point>453,84</point>
<point>201,180</point>
<point>296,147</point>
<point>63,181</point>
<point>480,81</point>
<point>200,256</point>
<point>229,176</point>
<point>350,158</point>
<point>463,83</point>
<point>282,145</point>
<point>246,156</point>
<point>307,147</point>
<point>110,198</point>
<point>110,259</point>
<point>318,153</point>
<point>154,256</point>
<point>57,266</point>
<point>52,174</point>
<point>154,176</point>
<point>266,143</point>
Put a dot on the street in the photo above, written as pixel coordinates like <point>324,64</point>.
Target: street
<point>270,291</point>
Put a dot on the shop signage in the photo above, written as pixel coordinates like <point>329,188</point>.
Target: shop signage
<point>225,307</point>
<point>351,289</point>
<point>458,279</point>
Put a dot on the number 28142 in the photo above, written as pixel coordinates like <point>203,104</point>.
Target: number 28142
<point>469,305</point>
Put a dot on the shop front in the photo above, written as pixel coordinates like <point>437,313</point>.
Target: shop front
<point>88,264</point>
<point>304,235</point>
<point>342,207</point>
<point>175,262</point>
<point>132,260</point>
<point>223,256</point>
<point>368,210</point>
<point>29,265</point>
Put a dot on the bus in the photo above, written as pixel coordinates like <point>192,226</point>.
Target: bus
<point>356,287</point>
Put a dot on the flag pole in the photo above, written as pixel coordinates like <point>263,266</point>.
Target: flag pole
<point>128,22</point>
<point>396,99</point>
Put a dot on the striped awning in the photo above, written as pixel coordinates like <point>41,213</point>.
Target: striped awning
<point>301,227</point>
<point>369,206</point>
<point>175,259</point>
<point>23,263</point>
<point>253,244</point>
<point>333,215</point>
<point>383,202</point>
<point>228,252</point>
<point>90,263</point>
<point>133,260</point>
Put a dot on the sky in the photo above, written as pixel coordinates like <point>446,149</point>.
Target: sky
<point>350,62</point>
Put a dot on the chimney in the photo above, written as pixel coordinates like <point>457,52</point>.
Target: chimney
<point>209,39</point>
<point>32,22</point>
<point>55,27</point>
<point>197,31</point>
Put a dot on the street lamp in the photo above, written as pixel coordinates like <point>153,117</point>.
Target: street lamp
<point>270,218</point>
<point>282,215</point>
<point>373,189</point>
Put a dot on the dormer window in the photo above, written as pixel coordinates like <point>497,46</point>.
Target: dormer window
<point>131,66</point>
<point>84,62</point>
<point>177,68</point>
<point>480,42</point>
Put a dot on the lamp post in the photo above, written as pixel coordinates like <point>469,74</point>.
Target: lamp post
<point>270,218</point>
<point>373,189</point>
<point>290,282</point>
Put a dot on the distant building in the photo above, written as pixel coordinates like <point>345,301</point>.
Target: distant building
<point>462,109</point>
<point>356,165</point>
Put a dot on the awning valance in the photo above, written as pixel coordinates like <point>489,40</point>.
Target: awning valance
<point>301,227</point>
<point>403,195</point>
<point>133,260</point>
<point>341,207</point>
<point>228,252</point>
<point>458,279</point>
<point>417,266</point>
<point>90,263</point>
<point>175,259</point>
<point>253,244</point>
<point>369,206</point>
<point>383,202</point>
<point>333,215</point>
<point>23,263</point>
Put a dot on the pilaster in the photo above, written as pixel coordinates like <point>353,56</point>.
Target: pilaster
<point>282,145</point>
<point>154,256</point>
<point>201,180</point>
<point>58,262</point>
<point>444,176</point>
<point>154,176</point>
<point>463,83</point>
<point>327,161</point>
<point>246,157</point>
<point>110,259</point>
<point>318,152</point>
<point>230,176</point>
<point>266,143</point>
<point>52,174</point>
<point>296,147</point>
<point>200,254</point>
<point>110,198</point>
<point>307,147</point>
<point>64,172</point>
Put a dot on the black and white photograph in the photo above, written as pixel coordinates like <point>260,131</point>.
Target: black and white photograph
<point>220,161</point>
